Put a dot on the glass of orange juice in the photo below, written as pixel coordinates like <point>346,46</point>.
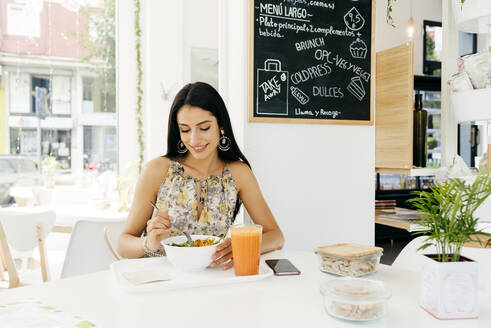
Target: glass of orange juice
<point>246,248</point>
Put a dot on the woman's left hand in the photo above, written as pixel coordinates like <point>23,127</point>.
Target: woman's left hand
<point>223,254</point>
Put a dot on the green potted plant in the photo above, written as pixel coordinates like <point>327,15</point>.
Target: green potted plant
<point>448,279</point>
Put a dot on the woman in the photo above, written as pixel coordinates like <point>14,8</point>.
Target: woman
<point>198,185</point>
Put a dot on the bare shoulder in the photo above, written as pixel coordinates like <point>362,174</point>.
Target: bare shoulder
<point>238,167</point>
<point>241,172</point>
<point>156,168</point>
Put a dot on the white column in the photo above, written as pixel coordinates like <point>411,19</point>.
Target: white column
<point>223,35</point>
<point>233,71</point>
<point>450,52</point>
<point>163,61</point>
<point>126,84</point>
<point>233,54</point>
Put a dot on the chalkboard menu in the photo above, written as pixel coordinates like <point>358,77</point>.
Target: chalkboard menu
<point>311,61</point>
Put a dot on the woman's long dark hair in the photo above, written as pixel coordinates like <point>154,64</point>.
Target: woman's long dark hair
<point>203,95</point>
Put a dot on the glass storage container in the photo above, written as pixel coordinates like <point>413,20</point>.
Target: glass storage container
<point>355,299</point>
<point>351,260</point>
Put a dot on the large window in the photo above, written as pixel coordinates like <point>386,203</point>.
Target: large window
<point>57,88</point>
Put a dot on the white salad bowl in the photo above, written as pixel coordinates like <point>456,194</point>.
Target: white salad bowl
<point>189,258</point>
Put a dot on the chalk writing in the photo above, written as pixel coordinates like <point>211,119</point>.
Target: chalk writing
<point>310,44</point>
<point>322,4</point>
<point>331,113</point>
<point>331,31</point>
<point>271,88</point>
<point>283,12</point>
<point>299,111</point>
<point>342,63</point>
<point>270,33</point>
<point>328,92</point>
<point>311,73</point>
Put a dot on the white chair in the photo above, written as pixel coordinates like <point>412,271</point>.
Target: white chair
<point>111,235</point>
<point>409,259</point>
<point>6,261</point>
<point>23,232</point>
<point>87,250</point>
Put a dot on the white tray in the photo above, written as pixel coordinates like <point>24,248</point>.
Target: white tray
<point>179,279</point>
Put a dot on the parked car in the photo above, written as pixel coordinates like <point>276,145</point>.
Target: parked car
<point>16,170</point>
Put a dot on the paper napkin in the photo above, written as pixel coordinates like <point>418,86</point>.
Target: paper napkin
<point>145,276</point>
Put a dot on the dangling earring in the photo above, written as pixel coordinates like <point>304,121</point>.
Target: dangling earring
<point>181,148</point>
<point>224,142</point>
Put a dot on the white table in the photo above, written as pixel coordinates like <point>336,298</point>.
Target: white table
<point>68,215</point>
<point>291,301</point>
<point>58,195</point>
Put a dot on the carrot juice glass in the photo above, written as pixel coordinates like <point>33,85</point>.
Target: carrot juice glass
<point>246,248</point>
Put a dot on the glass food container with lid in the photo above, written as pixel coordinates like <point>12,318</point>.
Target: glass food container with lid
<point>350,260</point>
<point>355,299</point>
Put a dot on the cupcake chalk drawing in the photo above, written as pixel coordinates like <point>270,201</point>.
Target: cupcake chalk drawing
<point>358,49</point>
<point>354,20</point>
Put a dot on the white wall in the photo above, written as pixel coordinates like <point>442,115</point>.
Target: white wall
<point>200,22</point>
<point>392,37</point>
<point>169,30</point>
<point>317,179</point>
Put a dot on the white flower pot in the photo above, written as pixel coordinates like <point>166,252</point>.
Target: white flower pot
<point>474,16</point>
<point>448,290</point>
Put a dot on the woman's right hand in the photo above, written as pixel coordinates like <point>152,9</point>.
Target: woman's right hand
<point>158,228</point>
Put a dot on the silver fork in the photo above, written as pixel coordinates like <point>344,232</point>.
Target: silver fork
<point>185,233</point>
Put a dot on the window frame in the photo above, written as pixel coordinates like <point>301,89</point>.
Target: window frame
<point>429,66</point>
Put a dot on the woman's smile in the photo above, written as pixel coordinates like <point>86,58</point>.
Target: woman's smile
<point>199,149</point>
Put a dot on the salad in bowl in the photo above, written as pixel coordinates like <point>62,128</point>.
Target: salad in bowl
<point>194,258</point>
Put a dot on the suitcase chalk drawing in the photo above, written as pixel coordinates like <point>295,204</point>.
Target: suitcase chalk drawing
<point>272,89</point>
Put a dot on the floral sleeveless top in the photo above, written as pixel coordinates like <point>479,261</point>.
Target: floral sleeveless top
<point>178,194</point>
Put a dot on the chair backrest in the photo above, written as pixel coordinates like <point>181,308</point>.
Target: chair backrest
<point>87,250</point>
<point>409,259</point>
<point>111,235</point>
<point>20,228</point>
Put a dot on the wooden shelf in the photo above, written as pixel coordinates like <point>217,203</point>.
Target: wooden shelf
<point>394,223</point>
<point>399,219</point>
<point>415,172</point>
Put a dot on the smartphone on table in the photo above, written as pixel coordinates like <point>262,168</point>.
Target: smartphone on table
<point>282,267</point>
